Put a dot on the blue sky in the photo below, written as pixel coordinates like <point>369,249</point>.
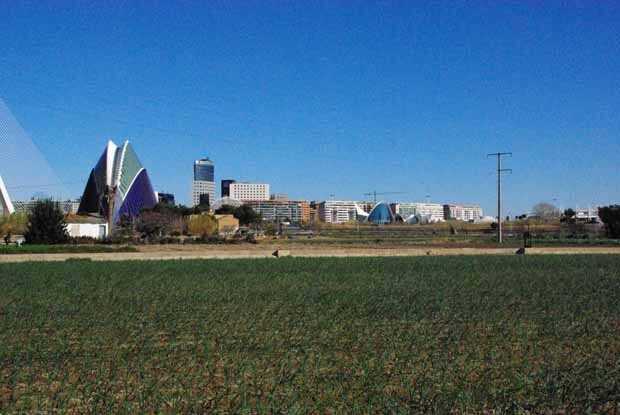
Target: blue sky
<point>327,97</point>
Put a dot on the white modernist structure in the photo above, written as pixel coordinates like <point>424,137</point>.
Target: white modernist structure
<point>118,185</point>
<point>419,212</point>
<point>249,191</point>
<point>340,211</point>
<point>6,206</point>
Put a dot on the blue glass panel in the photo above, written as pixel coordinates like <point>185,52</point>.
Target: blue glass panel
<point>140,195</point>
<point>204,170</point>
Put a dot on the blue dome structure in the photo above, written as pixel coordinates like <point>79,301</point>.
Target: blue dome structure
<point>380,214</point>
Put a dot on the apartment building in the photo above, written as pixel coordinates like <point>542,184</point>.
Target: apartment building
<point>277,210</point>
<point>338,211</point>
<point>465,213</point>
<point>249,191</point>
<point>432,212</point>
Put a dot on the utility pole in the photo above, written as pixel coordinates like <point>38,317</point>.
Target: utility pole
<point>499,191</point>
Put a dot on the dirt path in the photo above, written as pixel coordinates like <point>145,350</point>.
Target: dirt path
<point>168,252</point>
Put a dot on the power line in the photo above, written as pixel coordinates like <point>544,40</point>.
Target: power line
<point>499,191</point>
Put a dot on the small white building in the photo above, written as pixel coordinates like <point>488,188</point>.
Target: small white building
<point>87,227</point>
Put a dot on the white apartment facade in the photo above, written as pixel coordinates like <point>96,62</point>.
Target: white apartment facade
<point>465,213</point>
<point>277,210</point>
<point>338,211</point>
<point>249,191</point>
<point>433,212</point>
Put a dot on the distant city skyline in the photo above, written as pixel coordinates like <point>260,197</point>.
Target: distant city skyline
<point>322,98</point>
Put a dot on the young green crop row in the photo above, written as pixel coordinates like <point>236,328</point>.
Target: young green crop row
<point>346,335</point>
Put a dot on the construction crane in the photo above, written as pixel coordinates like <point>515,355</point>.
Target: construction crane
<point>374,194</point>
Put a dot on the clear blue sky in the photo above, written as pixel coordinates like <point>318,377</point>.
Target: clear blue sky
<point>327,97</point>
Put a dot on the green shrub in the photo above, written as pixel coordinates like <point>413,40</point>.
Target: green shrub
<point>610,215</point>
<point>46,224</point>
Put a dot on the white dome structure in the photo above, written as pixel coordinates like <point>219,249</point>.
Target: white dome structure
<point>226,201</point>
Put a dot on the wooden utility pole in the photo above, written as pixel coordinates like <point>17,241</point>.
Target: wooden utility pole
<point>499,191</point>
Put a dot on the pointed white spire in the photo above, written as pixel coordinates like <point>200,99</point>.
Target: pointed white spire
<point>5,200</point>
<point>110,155</point>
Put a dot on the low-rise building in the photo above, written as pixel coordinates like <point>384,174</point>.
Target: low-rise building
<point>338,211</point>
<point>86,227</point>
<point>306,212</point>
<point>277,210</point>
<point>227,224</point>
<point>588,214</point>
<point>278,196</point>
<point>467,213</point>
<point>429,212</point>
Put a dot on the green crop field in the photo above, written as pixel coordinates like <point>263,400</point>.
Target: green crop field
<point>496,334</point>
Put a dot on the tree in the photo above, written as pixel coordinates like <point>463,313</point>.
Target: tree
<point>545,210</point>
<point>247,215</point>
<point>569,213</point>
<point>15,224</point>
<point>610,215</point>
<point>124,229</point>
<point>226,210</point>
<point>202,207</point>
<point>159,223</point>
<point>46,224</point>
<point>203,225</point>
<point>568,216</point>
